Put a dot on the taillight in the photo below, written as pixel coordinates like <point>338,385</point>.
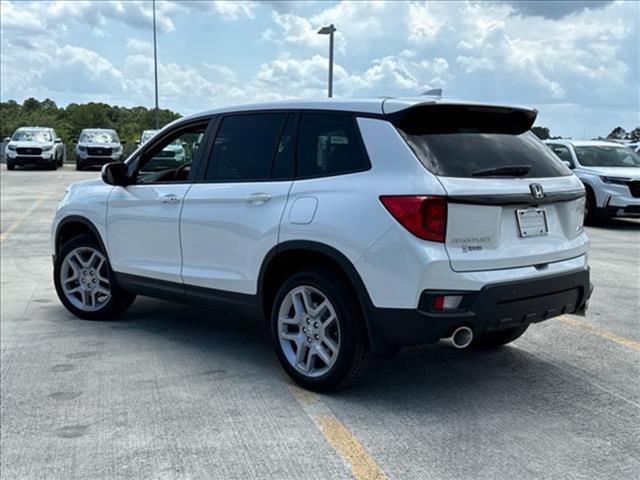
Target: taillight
<point>425,217</point>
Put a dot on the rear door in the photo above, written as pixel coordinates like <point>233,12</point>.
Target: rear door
<point>511,201</point>
<point>231,216</point>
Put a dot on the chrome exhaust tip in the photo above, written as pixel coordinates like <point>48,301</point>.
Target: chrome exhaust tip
<point>460,338</point>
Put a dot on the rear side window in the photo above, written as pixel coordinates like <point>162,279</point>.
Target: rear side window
<point>476,142</point>
<point>245,146</point>
<point>329,144</point>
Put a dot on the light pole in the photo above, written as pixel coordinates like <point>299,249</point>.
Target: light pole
<point>329,30</point>
<point>155,65</point>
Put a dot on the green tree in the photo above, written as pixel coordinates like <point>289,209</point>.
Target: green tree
<point>541,132</point>
<point>617,133</point>
<point>635,134</point>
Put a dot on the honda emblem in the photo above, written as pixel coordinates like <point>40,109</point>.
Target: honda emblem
<point>536,190</point>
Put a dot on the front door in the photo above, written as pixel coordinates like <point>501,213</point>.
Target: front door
<point>143,218</point>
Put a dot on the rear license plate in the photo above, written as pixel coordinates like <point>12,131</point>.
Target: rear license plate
<point>532,222</point>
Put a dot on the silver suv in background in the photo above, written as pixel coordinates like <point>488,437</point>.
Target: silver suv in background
<point>97,146</point>
<point>34,146</point>
<point>610,173</point>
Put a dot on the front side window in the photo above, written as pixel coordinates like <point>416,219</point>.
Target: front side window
<point>607,156</point>
<point>563,153</point>
<point>31,136</point>
<point>329,144</point>
<point>245,147</point>
<point>105,137</point>
<point>170,159</point>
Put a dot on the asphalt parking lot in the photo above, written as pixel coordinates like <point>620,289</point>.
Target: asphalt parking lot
<point>170,391</point>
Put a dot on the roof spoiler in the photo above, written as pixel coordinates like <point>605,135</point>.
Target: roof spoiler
<point>432,117</point>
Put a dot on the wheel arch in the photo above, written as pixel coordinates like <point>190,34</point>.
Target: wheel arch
<point>75,225</point>
<point>288,257</point>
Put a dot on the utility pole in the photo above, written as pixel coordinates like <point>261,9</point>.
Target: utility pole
<point>329,31</point>
<point>155,65</point>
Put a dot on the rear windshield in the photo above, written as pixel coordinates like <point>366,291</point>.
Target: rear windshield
<point>465,142</point>
<point>476,154</point>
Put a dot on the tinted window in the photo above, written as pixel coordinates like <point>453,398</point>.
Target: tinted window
<point>471,154</point>
<point>328,144</point>
<point>283,161</point>
<point>244,147</point>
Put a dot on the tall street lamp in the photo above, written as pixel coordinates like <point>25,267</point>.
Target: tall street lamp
<point>155,64</point>
<point>329,30</point>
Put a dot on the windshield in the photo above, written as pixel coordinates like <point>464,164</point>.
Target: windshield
<point>607,156</point>
<point>485,154</point>
<point>31,136</point>
<point>99,137</point>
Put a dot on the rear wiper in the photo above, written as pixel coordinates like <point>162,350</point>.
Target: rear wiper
<point>510,171</point>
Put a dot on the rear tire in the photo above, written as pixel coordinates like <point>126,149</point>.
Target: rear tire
<point>499,338</point>
<point>85,282</point>
<point>319,332</point>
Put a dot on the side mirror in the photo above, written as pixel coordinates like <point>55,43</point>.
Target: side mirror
<point>75,140</point>
<point>123,142</point>
<point>6,139</point>
<point>115,173</point>
<point>568,164</point>
<point>58,140</point>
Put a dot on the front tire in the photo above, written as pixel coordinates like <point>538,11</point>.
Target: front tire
<point>319,332</point>
<point>78,166</point>
<point>85,282</point>
<point>10,166</point>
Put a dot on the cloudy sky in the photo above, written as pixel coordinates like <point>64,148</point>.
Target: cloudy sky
<point>577,62</point>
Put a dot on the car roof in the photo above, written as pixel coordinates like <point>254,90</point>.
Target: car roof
<point>98,130</point>
<point>375,106</point>
<point>586,143</point>
<point>34,128</point>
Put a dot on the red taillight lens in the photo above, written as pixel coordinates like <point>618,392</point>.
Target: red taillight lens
<point>425,217</point>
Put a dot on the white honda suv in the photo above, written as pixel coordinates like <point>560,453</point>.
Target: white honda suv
<point>353,227</point>
<point>610,173</point>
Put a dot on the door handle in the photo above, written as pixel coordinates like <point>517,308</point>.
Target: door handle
<point>170,198</point>
<point>257,198</point>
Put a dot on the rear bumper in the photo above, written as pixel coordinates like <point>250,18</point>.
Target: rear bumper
<point>495,307</point>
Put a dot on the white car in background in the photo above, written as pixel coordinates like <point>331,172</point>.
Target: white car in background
<point>97,146</point>
<point>34,146</point>
<point>610,173</point>
<point>169,157</point>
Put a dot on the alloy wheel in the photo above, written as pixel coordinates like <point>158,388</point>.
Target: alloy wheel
<point>85,280</point>
<point>309,331</point>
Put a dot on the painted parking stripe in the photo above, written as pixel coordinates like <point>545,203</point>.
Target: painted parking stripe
<point>361,464</point>
<point>21,218</point>
<point>574,322</point>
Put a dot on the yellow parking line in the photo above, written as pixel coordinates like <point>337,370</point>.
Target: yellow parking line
<point>21,218</point>
<point>627,342</point>
<point>363,466</point>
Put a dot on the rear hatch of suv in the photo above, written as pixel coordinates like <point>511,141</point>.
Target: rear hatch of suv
<point>510,201</point>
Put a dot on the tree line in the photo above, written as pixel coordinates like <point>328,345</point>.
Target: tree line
<point>130,122</point>
<point>70,120</point>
